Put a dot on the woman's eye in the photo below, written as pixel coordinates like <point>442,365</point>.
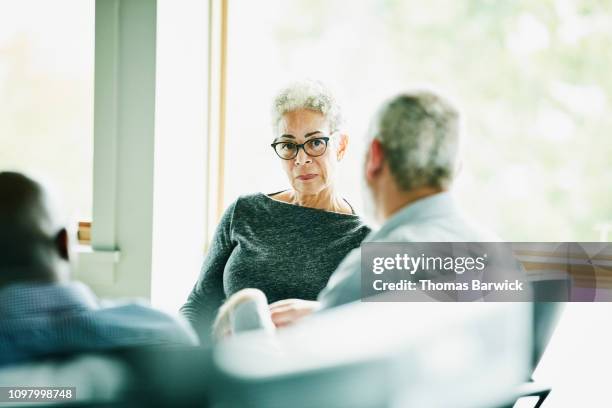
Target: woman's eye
<point>316,143</point>
<point>288,146</point>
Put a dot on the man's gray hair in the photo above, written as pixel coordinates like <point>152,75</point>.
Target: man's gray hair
<point>307,94</point>
<point>419,132</point>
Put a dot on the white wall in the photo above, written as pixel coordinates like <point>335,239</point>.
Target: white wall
<point>180,150</point>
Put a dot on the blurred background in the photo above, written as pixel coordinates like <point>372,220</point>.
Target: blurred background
<point>46,95</point>
<point>532,78</point>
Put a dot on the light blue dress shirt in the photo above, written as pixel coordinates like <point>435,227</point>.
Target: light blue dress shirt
<point>432,219</point>
<point>38,320</point>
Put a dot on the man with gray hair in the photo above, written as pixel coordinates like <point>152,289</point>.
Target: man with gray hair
<point>410,164</point>
<point>42,313</point>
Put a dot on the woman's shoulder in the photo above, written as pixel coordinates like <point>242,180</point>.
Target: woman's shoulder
<point>262,205</point>
<point>249,203</point>
<point>360,228</point>
<point>249,198</point>
<point>254,199</point>
<point>266,212</point>
<point>283,196</point>
<point>262,200</point>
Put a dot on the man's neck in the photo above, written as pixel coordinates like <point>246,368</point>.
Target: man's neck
<point>33,274</point>
<point>393,201</point>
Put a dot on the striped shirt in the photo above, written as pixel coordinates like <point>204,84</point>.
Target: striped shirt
<point>39,320</point>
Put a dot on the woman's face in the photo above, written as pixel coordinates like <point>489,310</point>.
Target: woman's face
<point>307,174</point>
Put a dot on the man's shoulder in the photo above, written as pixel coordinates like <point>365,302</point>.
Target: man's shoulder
<point>452,228</point>
<point>137,316</point>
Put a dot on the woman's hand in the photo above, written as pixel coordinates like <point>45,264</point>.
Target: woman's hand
<point>288,311</point>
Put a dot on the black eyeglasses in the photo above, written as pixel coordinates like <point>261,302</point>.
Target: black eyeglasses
<point>289,150</point>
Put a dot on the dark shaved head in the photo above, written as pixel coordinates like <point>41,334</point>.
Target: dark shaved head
<point>33,244</point>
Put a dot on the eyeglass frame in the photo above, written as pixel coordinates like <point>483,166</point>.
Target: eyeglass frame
<point>302,146</point>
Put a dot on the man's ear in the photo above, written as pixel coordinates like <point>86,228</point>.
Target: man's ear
<point>375,160</point>
<point>343,141</point>
<point>61,244</point>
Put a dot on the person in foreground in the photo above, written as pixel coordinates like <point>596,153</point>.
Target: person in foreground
<point>286,244</point>
<point>42,312</point>
<point>410,164</point>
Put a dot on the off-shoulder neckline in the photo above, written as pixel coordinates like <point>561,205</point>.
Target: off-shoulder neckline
<point>269,197</point>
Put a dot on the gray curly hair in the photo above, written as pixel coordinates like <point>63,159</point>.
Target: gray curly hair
<point>307,94</point>
<point>419,132</point>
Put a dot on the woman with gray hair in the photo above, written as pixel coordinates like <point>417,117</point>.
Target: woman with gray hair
<point>286,244</point>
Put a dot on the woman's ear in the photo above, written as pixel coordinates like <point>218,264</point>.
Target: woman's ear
<point>343,141</point>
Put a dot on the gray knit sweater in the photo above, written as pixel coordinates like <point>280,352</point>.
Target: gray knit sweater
<point>285,250</point>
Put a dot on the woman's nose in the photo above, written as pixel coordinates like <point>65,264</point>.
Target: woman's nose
<point>302,157</point>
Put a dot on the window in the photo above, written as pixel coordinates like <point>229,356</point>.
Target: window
<point>46,96</point>
<point>532,80</point>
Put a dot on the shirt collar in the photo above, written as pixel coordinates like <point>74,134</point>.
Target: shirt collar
<point>23,299</point>
<point>436,205</point>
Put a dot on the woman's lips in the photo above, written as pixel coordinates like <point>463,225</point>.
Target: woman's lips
<point>305,177</point>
